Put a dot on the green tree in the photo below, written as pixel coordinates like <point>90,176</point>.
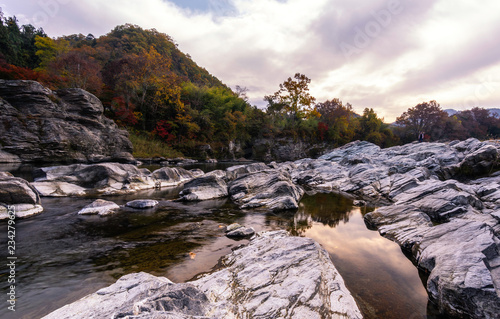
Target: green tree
<point>293,98</point>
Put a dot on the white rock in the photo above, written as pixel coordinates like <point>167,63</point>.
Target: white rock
<point>100,207</point>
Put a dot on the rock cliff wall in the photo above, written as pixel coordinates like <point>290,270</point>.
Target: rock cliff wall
<point>40,125</point>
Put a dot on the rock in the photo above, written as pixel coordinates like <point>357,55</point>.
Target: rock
<point>37,124</point>
<point>233,227</point>
<point>359,203</point>
<point>83,179</point>
<point>179,161</point>
<point>173,176</point>
<point>351,151</point>
<point>142,203</point>
<point>274,276</point>
<point>461,257</point>
<point>8,158</point>
<point>451,228</point>
<point>203,188</point>
<point>241,232</point>
<point>479,162</point>
<point>100,207</point>
<point>19,195</point>
<point>234,172</point>
<point>269,189</point>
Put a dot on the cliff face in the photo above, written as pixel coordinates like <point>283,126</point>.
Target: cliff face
<point>40,125</point>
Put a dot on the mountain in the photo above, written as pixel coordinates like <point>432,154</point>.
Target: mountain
<point>493,111</point>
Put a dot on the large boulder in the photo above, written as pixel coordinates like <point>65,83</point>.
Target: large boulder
<point>173,176</point>
<point>203,188</point>
<point>269,189</point>
<point>274,276</point>
<point>18,196</point>
<point>37,124</point>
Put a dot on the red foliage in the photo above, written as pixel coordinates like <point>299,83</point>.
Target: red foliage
<point>124,112</point>
<point>12,72</point>
<point>163,129</point>
<point>322,129</point>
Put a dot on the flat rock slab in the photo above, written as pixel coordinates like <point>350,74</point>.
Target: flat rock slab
<point>100,207</point>
<point>274,276</point>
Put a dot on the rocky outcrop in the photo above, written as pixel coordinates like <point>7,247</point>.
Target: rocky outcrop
<point>105,179</point>
<point>203,188</point>
<point>269,189</point>
<point>83,179</point>
<point>17,195</point>
<point>450,228</point>
<point>100,207</point>
<point>274,276</point>
<point>37,124</point>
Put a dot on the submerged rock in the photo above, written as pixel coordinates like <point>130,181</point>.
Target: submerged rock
<point>19,195</point>
<point>274,276</point>
<point>100,207</point>
<point>142,203</point>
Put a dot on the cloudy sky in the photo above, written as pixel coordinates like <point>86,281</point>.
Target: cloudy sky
<point>386,54</point>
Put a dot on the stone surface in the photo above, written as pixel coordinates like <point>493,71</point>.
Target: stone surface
<point>173,176</point>
<point>83,179</point>
<point>234,172</point>
<point>142,203</point>
<point>269,189</point>
<point>441,204</point>
<point>241,232</point>
<point>19,194</point>
<point>37,124</point>
<point>274,276</point>
<point>203,188</point>
<point>100,207</point>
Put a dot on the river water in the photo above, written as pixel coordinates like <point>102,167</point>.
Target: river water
<point>63,256</point>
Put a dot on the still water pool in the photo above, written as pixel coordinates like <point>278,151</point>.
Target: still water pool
<point>64,256</point>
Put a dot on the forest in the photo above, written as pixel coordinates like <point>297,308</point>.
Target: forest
<point>163,98</point>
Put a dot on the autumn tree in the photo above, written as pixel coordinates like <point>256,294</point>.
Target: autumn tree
<point>293,98</point>
<point>78,69</point>
<point>425,117</point>
<point>336,122</point>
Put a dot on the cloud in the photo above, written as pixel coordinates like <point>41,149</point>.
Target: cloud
<point>385,54</point>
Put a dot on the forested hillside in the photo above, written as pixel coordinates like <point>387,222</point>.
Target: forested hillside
<point>172,105</point>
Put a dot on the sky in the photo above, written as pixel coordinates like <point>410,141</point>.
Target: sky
<point>388,55</point>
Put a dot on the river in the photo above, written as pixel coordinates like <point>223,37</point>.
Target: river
<point>63,256</point>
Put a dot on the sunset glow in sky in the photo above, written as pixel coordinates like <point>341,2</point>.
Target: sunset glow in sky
<point>386,54</point>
